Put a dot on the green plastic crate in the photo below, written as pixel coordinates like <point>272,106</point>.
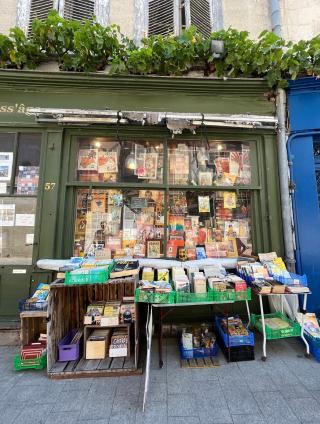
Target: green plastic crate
<point>228,295</point>
<point>27,364</point>
<point>98,277</point>
<point>293,331</point>
<point>182,297</point>
<point>150,297</point>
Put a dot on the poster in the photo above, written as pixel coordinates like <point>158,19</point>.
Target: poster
<point>205,178</point>
<point>231,229</point>
<point>204,204</point>
<point>229,200</point>
<point>88,160</point>
<point>108,162</point>
<point>25,219</point>
<point>7,215</point>
<point>235,163</point>
<point>29,238</point>
<point>28,180</point>
<point>98,202</point>
<point>151,166</point>
<point>6,159</point>
<point>3,188</point>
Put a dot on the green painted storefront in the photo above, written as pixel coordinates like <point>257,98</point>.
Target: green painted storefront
<point>53,232</point>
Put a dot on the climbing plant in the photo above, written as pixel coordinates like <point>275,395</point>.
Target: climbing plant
<point>90,47</point>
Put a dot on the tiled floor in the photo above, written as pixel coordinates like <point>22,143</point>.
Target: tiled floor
<point>283,390</point>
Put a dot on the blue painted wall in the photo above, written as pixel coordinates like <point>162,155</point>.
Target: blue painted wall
<point>304,115</point>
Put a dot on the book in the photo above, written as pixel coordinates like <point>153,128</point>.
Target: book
<point>118,346</point>
<point>124,269</point>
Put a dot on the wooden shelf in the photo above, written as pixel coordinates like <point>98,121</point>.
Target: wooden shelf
<point>33,314</point>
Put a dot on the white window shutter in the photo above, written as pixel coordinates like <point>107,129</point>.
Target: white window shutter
<point>79,9</point>
<point>39,9</point>
<point>161,17</point>
<point>200,14</point>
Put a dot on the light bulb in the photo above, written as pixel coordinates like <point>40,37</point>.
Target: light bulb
<point>131,162</point>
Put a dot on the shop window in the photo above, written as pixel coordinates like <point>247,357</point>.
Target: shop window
<point>6,161</point>
<point>106,160</point>
<point>208,224</point>
<point>209,163</point>
<point>28,162</point>
<point>117,223</point>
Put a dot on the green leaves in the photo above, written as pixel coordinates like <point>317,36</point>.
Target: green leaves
<point>90,47</point>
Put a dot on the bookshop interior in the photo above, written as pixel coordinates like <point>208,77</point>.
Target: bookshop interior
<point>161,227</point>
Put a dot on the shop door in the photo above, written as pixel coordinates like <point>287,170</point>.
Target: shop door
<point>19,180</point>
<point>305,156</point>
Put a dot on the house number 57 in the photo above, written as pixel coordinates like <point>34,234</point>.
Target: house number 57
<point>49,186</point>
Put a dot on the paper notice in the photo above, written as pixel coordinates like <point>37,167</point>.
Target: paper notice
<point>29,238</point>
<point>3,188</point>
<point>7,215</point>
<point>25,219</point>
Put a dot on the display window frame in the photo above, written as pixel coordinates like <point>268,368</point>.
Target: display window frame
<point>256,142</point>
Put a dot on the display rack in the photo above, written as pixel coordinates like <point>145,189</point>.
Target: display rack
<point>293,334</point>
<point>66,309</point>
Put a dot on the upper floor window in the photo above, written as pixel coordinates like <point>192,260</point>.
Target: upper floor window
<point>172,16</point>
<point>28,10</point>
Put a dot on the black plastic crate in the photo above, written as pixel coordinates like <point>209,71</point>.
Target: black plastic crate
<point>237,353</point>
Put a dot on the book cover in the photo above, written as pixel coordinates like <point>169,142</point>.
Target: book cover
<point>88,160</point>
<point>108,162</point>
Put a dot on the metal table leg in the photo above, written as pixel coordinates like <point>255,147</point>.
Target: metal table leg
<point>304,310</point>
<point>160,337</point>
<point>264,345</point>
<point>248,312</point>
<point>149,343</point>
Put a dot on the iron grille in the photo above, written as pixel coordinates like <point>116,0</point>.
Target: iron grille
<point>39,9</point>
<point>161,17</point>
<point>201,16</point>
<point>79,9</point>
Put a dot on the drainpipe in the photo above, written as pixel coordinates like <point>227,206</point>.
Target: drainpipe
<point>276,17</point>
<point>284,182</point>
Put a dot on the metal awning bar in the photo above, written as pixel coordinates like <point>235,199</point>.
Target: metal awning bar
<point>176,122</point>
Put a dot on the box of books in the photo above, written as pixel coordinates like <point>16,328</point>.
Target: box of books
<point>118,345</point>
<point>70,346</point>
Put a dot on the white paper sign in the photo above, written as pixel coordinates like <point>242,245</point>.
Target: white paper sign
<point>3,188</point>
<point>6,159</point>
<point>25,219</point>
<point>19,271</point>
<point>29,238</point>
<point>7,215</point>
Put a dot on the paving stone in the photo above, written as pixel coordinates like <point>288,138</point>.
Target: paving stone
<point>33,415</point>
<point>183,420</point>
<point>274,408</point>
<point>8,412</point>
<point>215,415</point>
<point>157,392</point>
<point>242,403</point>
<point>127,385</point>
<point>247,419</point>
<point>181,405</point>
<point>78,384</point>
<point>126,404</point>
<point>62,418</point>
<point>70,401</point>
<point>155,412</point>
<point>293,390</point>
<point>96,409</point>
<point>306,409</point>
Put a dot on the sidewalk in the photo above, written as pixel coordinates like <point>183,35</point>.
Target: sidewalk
<point>283,390</point>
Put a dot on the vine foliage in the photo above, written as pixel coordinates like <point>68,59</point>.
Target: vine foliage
<point>90,47</point>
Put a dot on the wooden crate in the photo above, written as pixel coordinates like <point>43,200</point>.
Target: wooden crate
<point>66,308</point>
<point>32,324</point>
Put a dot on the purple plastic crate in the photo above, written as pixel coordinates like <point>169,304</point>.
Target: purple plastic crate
<point>67,351</point>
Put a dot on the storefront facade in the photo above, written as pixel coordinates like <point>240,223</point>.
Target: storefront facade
<point>304,155</point>
<point>116,189</point>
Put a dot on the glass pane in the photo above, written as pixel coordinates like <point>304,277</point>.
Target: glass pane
<point>117,223</point>
<point>28,161</point>
<point>6,161</point>
<point>208,224</point>
<point>108,160</point>
<point>17,219</point>
<point>209,163</point>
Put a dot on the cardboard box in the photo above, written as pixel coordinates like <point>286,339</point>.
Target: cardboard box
<point>97,344</point>
<point>110,315</point>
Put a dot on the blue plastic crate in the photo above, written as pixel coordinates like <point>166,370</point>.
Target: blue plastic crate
<point>197,353</point>
<point>314,345</point>
<point>234,340</point>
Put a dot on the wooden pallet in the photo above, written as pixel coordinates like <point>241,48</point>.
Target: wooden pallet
<point>199,363</point>
<point>109,367</point>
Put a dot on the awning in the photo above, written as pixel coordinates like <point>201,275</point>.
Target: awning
<point>175,122</point>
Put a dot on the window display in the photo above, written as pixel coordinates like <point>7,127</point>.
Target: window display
<point>102,159</point>
<point>209,224</point>
<point>28,161</point>
<point>116,223</point>
<point>215,163</point>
